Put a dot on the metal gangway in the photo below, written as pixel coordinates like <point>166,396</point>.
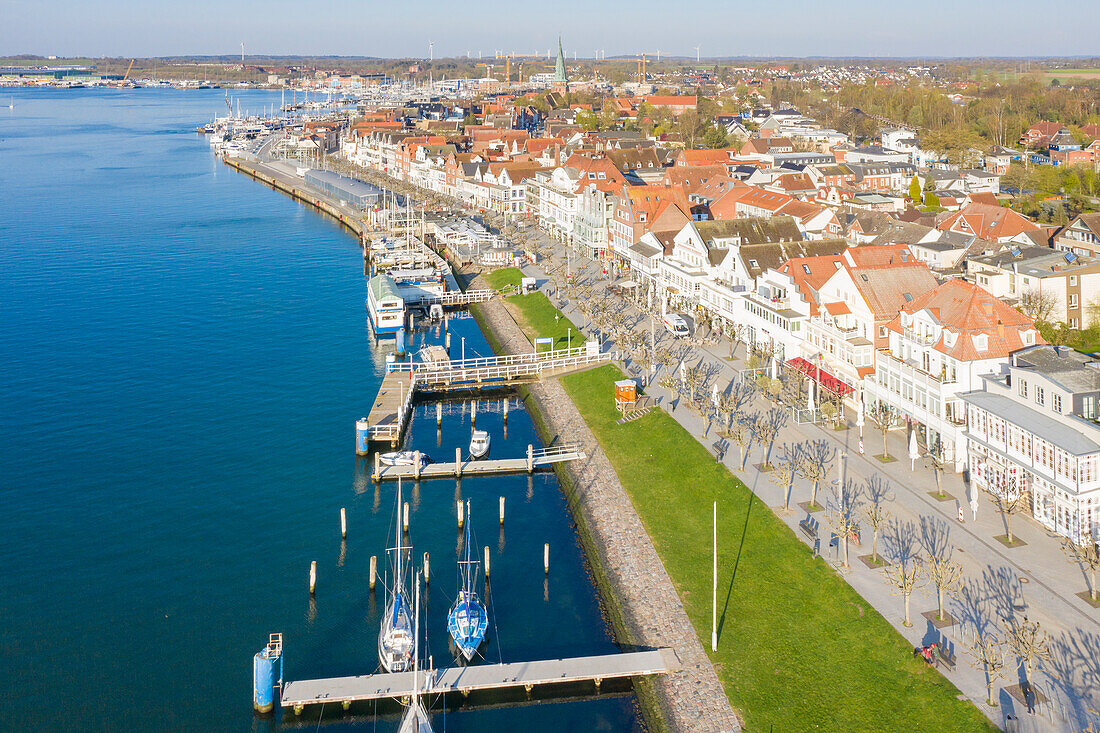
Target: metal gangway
<point>455,298</point>
<point>499,370</point>
<point>536,458</point>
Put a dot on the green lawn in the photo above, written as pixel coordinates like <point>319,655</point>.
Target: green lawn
<point>540,319</point>
<point>799,650</point>
<point>499,279</point>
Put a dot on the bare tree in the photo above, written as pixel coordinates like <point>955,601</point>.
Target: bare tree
<point>736,333</point>
<point>1029,643</point>
<point>742,434</point>
<point>816,460</point>
<point>906,576</point>
<point>875,511</point>
<point>844,517</point>
<point>944,574</point>
<point>988,654</point>
<point>767,426</point>
<point>1009,498</point>
<point>1085,554</point>
<point>1036,304</point>
<point>784,472</point>
<point>885,418</point>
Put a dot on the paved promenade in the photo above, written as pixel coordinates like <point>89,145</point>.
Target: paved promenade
<point>1033,581</point>
<point>693,698</point>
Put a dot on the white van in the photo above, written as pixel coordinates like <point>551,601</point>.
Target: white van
<point>676,325</point>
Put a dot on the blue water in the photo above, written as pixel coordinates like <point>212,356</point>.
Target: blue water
<point>183,354</point>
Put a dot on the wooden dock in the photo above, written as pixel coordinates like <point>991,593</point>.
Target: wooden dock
<point>465,680</point>
<point>534,460</point>
<point>390,409</point>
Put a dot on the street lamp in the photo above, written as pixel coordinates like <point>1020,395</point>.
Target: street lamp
<point>569,340</point>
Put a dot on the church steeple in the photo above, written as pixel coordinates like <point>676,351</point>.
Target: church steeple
<point>560,80</point>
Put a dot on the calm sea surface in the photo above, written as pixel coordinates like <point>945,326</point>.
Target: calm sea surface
<point>183,354</point>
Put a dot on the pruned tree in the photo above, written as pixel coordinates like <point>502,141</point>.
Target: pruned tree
<point>885,418</point>
<point>1086,554</point>
<point>844,516</point>
<point>875,511</point>
<point>784,472</point>
<point>1009,498</point>
<point>944,574</point>
<point>988,654</point>
<point>743,435</point>
<point>736,333</point>
<point>905,576</point>
<point>766,426</point>
<point>816,460</point>
<point>1029,643</point>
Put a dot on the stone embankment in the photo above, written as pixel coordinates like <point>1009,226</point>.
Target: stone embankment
<point>644,600</point>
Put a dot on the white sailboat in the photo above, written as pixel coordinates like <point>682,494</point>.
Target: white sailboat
<point>396,637</point>
<point>416,718</point>
<point>468,619</point>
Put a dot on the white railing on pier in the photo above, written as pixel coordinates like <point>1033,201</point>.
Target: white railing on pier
<point>456,297</point>
<point>489,361</point>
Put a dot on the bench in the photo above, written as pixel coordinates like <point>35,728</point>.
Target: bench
<point>808,528</point>
<point>946,658</point>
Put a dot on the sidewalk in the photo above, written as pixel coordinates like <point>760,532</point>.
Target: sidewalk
<point>1033,580</point>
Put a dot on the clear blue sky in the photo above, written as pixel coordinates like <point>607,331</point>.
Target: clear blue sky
<point>403,28</point>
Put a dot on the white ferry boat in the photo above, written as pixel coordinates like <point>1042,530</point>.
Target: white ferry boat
<point>385,306</point>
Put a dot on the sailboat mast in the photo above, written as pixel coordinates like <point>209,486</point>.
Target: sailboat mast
<point>397,534</point>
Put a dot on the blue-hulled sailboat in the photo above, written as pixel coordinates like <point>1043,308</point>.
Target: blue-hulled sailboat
<point>467,620</point>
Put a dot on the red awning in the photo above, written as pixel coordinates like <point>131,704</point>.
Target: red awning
<point>822,377</point>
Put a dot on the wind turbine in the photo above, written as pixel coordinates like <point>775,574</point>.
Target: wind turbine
<point>242,52</point>
<point>431,50</point>
<point>696,54</point>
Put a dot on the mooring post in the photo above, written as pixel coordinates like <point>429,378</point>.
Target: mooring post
<point>502,511</point>
<point>546,559</point>
<point>312,577</point>
<point>373,570</point>
<point>486,562</point>
<point>438,413</point>
<point>447,341</point>
<point>405,523</point>
<point>427,569</point>
<point>344,523</point>
<point>376,475</point>
<point>416,466</point>
<point>473,411</point>
<point>458,462</point>
<point>461,510</point>
<point>530,458</point>
<point>505,409</point>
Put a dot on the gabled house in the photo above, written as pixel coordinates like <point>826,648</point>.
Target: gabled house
<point>994,223</point>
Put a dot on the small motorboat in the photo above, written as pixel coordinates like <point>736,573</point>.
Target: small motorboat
<point>403,458</point>
<point>479,444</point>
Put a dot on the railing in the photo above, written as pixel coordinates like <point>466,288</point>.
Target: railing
<point>556,450</point>
<point>486,361</point>
<point>392,431</point>
<point>913,370</point>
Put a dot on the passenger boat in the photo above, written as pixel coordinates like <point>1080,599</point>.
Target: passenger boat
<point>479,444</point>
<point>403,458</point>
<point>385,306</point>
<point>396,637</point>
<point>467,620</point>
<point>416,718</point>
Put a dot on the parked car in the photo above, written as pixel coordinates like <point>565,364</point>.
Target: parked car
<point>676,325</point>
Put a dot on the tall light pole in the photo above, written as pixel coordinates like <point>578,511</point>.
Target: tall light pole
<point>714,588</point>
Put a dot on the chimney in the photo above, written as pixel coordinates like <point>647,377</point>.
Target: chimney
<point>1000,329</point>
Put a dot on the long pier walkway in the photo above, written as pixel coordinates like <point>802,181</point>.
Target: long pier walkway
<point>465,680</point>
<point>536,458</point>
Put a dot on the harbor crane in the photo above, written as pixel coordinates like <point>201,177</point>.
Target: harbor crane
<point>488,69</point>
<point>643,60</point>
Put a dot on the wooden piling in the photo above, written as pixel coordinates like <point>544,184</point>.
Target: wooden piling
<point>447,341</point>
<point>416,466</point>
<point>438,413</point>
<point>505,409</point>
<point>546,559</point>
<point>344,523</point>
<point>473,411</point>
<point>427,569</point>
<point>530,458</point>
<point>458,462</point>
<point>486,562</point>
<point>405,523</point>
<point>461,512</point>
<point>373,570</point>
<point>312,577</point>
<point>502,511</point>
<point>377,474</point>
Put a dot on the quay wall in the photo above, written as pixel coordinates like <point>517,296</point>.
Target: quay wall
<point>638,594</point>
